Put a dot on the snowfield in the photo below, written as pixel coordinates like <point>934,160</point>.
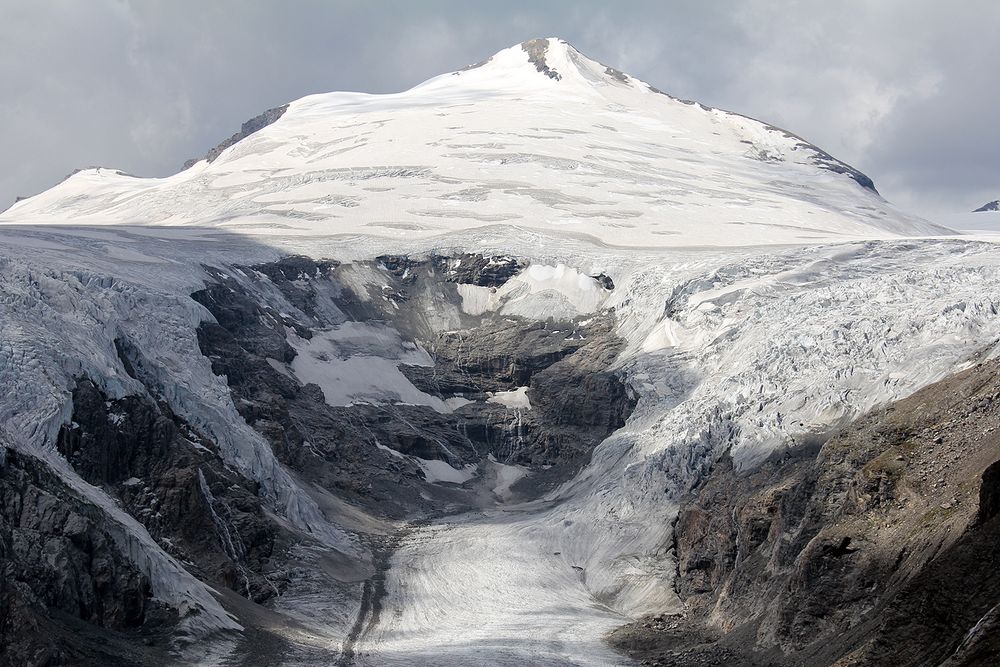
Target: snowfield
<point>594,153</point>
<point>764,299</point>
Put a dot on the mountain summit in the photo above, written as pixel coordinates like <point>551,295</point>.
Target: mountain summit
<point>536,136</point>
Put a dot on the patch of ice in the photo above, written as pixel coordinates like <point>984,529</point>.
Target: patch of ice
<point>281,367</point>
<point>538,292</point>
<point>513,399</point>
<point>129,255</point>
<point>359,363</point>
<point>477,300</point>
<point>505,477</point>
<point>441,471</point>
<point>391,452</point>
<point>456,402</point>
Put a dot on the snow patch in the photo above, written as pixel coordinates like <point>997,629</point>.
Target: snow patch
<point>477,300</point>
<point>359,362</point>
<point>281,367</point>
<point>456,402</point>
<point>538,292</point>
<point>513,399</point>
<point>441,471</point>
<point>505,477</point>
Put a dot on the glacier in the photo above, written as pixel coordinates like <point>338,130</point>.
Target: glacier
<point>765,296</point>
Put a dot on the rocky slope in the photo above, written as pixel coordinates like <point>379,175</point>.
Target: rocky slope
<point>437,408</point>
<point>67,594</point>
<point>872,548</point>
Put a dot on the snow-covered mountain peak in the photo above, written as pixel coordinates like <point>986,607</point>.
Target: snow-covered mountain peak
<point>552,58</point>
<point>537,136</point>
<point>535,69</point>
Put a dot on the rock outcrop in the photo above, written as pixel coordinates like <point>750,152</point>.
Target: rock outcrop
<point>68,596</point>
<point>255,124</point>
<point>868,549</point>
<point>563,368</point>
<point>172,480</point>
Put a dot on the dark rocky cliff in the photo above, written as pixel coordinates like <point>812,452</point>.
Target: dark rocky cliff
<point>68,596</point>
<point>878,547</point>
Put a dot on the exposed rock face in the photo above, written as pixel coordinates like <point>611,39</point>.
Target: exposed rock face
<point>255,124</point>
<point>536,50</point>
<point>334,446</point>
<point>466,269</point>
<point>170,478</point>
<point>576,401</point>
<point>605,281</point>
<point>989,206</point>
<point>868,550</point>
<point>67,594</point>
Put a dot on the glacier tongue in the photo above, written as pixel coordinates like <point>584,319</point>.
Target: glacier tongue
<point>771,349</point>
<point>812,335</point>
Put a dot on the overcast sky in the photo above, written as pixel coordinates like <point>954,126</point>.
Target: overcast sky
<point>908,91</point>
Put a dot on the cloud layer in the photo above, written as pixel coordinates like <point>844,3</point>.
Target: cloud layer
<point>906,90</point>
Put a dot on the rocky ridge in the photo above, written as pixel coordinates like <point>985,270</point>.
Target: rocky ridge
<point>255,124</point>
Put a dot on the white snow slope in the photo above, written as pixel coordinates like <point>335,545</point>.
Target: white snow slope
<point>593,151</point>
<point>730,345</point>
